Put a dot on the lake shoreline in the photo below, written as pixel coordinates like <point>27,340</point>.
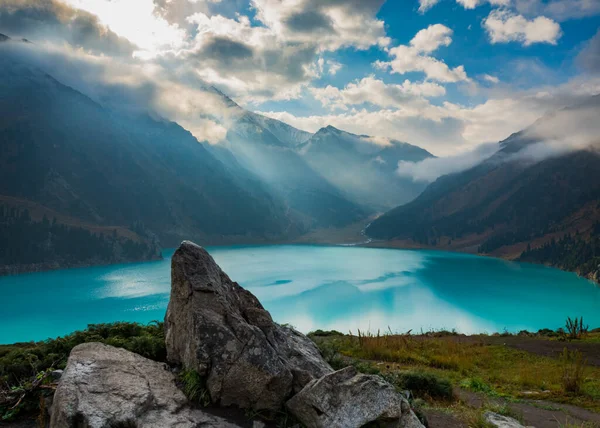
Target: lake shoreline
<point>405,245</point>
<point>11,270</point>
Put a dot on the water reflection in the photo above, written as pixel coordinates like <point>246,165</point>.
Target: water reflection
<point>342,288</point>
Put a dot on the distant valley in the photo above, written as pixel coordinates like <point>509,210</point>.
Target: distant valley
<point>125,184</point>
<point>122,179</point>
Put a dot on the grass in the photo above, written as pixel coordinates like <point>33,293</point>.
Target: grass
<point>194,387</point>
<point>471,363</point>
<point>25,367</point>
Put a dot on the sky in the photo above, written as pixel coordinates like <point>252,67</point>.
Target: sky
<point>448,75</point>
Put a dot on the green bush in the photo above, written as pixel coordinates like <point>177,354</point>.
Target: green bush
<point>476,384</point>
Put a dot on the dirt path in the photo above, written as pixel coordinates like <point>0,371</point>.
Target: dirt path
<point>539,346</point>
<point>535,413</point>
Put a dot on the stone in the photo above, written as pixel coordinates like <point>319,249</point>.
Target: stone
<point>107,387</point>
<point>347,399</point>
<point>501,421</point>
<point>56,374</point>
<point>221,330</point>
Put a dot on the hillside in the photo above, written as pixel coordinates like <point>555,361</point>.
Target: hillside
<point>63,152</point>
<point>268,149</point>
<point>507,204</point>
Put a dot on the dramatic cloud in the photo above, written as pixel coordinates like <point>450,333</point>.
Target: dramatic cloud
<point>53,21</point>
<point>329,25</point>
<point>277,59</point>
<point>451,128</point>
<point>137,22</point>
<point>503,26</point>
<point>415,56</point>
<point>376,92</point>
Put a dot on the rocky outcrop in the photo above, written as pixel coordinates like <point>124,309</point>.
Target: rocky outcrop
<point>222,331</point>
<point>347,399</point>
<point>104,387</point>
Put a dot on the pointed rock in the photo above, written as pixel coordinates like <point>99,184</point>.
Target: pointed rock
<point>221,330</point>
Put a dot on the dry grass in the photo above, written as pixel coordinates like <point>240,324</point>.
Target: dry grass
<point>493,369</point>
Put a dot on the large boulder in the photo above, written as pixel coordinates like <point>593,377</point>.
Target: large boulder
<point>347,399</point>
<point>107,387</point>
<point>222,331</point>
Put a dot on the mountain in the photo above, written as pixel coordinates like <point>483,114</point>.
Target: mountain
<point>364,168</point>
<point>61,152</point>
<point>522,198</point>
<point>268,149</point>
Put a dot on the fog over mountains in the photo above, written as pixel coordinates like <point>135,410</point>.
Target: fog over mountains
<point>107,165</point>
<point>65,152</point>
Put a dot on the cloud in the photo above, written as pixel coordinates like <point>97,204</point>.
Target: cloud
<point>504,26</point>
<point>560,10</point>
<point>570,129</point>
<point>451,128</point>
<point>374,91</point>
<point>472,4</point>
<point>425,5</point>
<point>137,22</point>
<point>133,87</point>
<point>328,25</point>
<point>53,21</point>
<point>491,79</point>
<point>281,55</point>
<point>415,56</point>
<point>428,170</point>
<point>274,55</point>
<point>333,67</point>
<point>432,38</point>
<point>589,57</point>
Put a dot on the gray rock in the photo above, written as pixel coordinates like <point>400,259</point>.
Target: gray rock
<point>346,399</point>
<point>105,387</point>
<point>216,327</point>
<point>500,421</point>
<point>56,374</point>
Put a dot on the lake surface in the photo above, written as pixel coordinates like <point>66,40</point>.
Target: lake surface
<point>311,287</point>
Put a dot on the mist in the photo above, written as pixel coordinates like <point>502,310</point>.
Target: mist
<point>429,170</point>
<point>133,87</point>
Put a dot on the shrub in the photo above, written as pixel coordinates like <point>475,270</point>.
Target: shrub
<point>423,384</point>
<point>573,370</point>
<point>322,333</point>
<point>476,384</point>
<point>575,328</point>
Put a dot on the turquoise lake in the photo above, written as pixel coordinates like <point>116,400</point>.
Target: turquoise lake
<point>311,287</point>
